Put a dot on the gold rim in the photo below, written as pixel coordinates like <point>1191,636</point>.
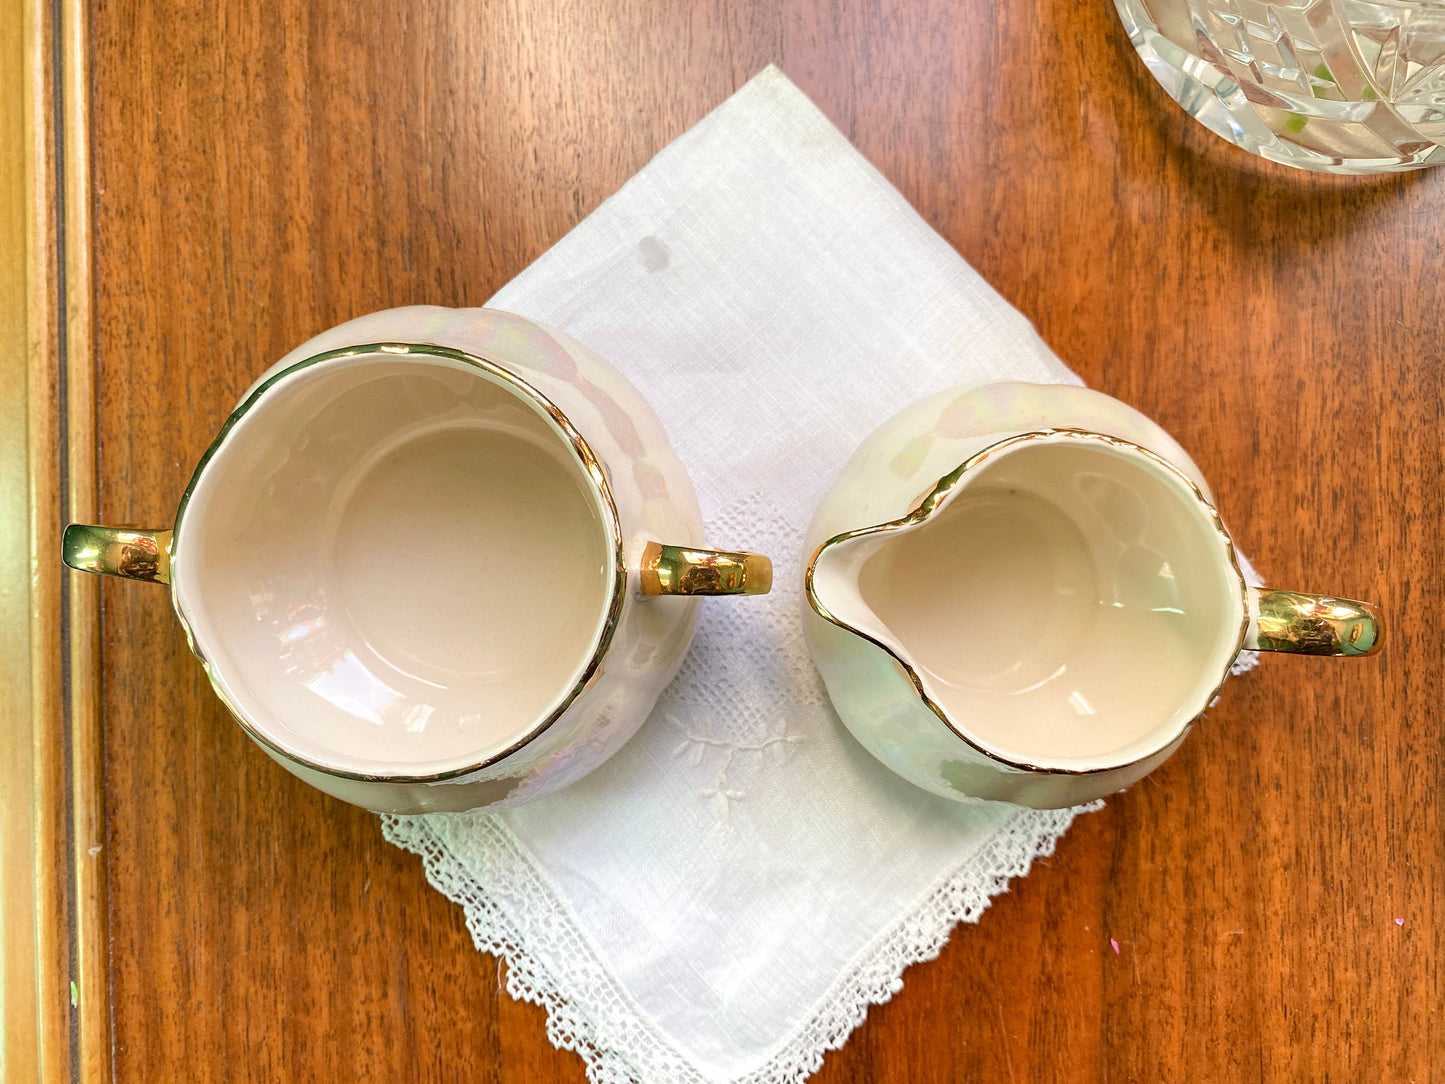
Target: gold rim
<point>936,497</point>
<point>590,464</point>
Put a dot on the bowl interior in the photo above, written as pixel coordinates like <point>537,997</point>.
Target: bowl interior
<point>395,565</point>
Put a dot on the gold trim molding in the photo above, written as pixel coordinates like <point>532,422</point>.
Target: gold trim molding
<point>54,1013</point>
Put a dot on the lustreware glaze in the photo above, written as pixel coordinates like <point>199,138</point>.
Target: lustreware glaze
<point>437,559</point>
<point>1024,593</point>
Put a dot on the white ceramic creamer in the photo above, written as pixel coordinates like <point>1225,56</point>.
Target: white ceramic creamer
<point>1024,593</point>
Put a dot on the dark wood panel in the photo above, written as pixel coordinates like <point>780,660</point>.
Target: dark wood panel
<point>265,171</point>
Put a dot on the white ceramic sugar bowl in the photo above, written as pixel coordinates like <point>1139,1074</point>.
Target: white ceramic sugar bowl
<point>417,561</point>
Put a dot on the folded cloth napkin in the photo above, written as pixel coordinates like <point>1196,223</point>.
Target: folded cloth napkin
<point>724,899</point>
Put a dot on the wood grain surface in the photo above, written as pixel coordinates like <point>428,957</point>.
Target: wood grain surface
<point>264,171</point>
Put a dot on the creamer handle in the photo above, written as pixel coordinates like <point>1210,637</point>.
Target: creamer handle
<point>1304,624</point>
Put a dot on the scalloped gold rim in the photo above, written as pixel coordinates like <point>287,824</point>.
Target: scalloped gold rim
<point>931,502</point>
<point>586,457</point>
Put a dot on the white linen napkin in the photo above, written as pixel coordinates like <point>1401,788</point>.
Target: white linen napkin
<point>725,898</point>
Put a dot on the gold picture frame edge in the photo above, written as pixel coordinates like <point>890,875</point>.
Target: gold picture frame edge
<point>54,987</point>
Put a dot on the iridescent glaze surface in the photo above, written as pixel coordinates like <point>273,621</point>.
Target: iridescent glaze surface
<point>412,562</point>
<point>1024,593</point>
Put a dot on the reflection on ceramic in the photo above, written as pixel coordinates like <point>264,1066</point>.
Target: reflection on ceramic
<point>1024,593</point>
<point>415,569</point>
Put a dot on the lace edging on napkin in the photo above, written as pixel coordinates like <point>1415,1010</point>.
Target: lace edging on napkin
<point>550,964</point>
<point>587,1013</point>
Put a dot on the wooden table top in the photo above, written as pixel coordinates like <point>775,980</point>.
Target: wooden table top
<point>262,172</point>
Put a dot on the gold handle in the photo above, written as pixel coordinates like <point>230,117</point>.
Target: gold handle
<point>1311,624</point>
<point>685,570</point>
<point>130,552</point>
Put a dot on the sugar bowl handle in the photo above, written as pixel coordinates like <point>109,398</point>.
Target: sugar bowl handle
<point>687,570</point>
<point>128,552</point>
<point>1304,624</point>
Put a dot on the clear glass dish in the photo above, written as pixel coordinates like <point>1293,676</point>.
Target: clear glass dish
<point>1340,86</point>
